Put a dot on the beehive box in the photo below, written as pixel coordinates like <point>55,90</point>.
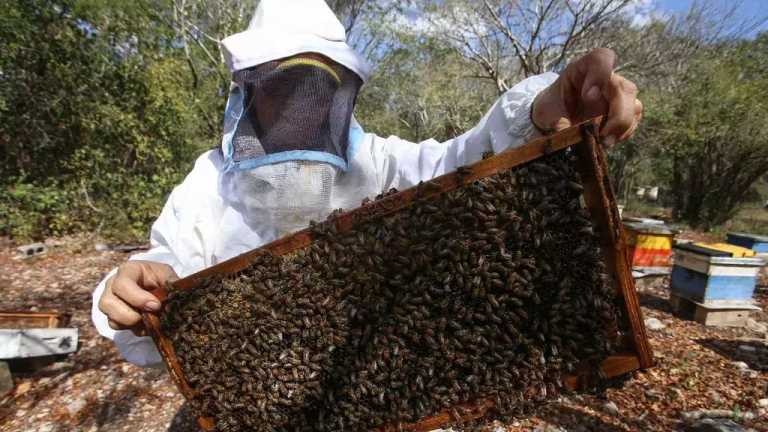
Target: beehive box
<point>25,320</point>
<point>757,243</point>
<point>31,340</point>
<point>650,244</point>
<point>712,275</point>
<point>534,294</point>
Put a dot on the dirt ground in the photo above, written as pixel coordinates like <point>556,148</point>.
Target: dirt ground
<point>698,368</point>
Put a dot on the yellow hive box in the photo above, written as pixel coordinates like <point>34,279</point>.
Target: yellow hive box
<point>735,251</point>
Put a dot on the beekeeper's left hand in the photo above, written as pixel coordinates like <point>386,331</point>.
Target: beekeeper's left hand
<point>588,88</point>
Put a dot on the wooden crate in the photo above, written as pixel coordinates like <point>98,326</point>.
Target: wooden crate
<point>600,203</point>
<point>30,320</point>
<point>720,314</point>
<point>17,325</point>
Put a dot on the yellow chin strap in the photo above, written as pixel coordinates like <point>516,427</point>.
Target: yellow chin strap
<point>303,61</point>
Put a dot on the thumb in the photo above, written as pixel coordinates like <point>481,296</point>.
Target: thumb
<point>597,69</point>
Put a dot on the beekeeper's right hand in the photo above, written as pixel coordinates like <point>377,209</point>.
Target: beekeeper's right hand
<point>127,295</point>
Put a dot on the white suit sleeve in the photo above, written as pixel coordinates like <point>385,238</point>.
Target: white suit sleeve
<point>402,164</point>
<point>141,351</point>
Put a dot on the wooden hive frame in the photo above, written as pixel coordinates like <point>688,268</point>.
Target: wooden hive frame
<point>600,202</point>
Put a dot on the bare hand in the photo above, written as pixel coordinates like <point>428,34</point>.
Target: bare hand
<point>127,295</point>
<point>588,88</point>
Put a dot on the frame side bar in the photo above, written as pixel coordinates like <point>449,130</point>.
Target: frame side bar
<point>601,203</point>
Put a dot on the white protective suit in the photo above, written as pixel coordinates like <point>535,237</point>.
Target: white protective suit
<point>202,225</point>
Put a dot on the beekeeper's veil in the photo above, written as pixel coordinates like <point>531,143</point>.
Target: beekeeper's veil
<point>288,122</point>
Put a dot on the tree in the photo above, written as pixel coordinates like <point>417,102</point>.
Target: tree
<point>657,53</point>
<point>422,89</point>
<point>513,40</point>
<point>657,56</point>
<point>97,123</point>
<point>711,131</point>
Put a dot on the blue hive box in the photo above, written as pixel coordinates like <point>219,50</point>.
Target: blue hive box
<point>713,277</point>
<point>757,243</point>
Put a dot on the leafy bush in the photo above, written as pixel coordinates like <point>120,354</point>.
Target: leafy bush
<point>710,133</point>
<point>100,119</point>
<point>31,211</point>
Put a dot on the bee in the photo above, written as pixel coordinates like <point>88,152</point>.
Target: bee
<point>463,170</point>
<point>574,186</point>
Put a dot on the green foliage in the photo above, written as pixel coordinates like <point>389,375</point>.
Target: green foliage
<point>99,118</point>
<point>423,89</point>
<point>710,132</point>
<point>104,105</point>
<point>32,211</point>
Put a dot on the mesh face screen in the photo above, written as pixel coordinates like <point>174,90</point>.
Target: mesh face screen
<point>245,142</point>
<point>295,104</point>
<point>285,195</point>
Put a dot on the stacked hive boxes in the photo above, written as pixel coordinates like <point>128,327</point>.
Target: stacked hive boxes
<point>717,279</point>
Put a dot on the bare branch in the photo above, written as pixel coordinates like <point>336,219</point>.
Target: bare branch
<point>540,24</point>
<point>519,50</point>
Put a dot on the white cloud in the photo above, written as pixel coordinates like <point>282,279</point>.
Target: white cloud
<point>459,21</point>
<point>413,23</point>
<point>642,12</point>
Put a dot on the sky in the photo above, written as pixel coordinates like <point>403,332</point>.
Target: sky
<point>748,9</point>
<point>643,11</point>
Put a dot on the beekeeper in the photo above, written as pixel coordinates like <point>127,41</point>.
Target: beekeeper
<point>292,151</point>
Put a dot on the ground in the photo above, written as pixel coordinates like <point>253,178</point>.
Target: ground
<point>94,390</point>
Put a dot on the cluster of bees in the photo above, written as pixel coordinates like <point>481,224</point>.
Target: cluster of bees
<point>494,291</point>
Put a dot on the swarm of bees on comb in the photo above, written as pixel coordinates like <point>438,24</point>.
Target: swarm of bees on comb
<point>493,291</point>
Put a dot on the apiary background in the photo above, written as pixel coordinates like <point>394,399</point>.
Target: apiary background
<point>598,199</point>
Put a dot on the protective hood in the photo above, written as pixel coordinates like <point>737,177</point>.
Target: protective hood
<point>295,81</point>
<point>283,28</point>
<point>295,109</point>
